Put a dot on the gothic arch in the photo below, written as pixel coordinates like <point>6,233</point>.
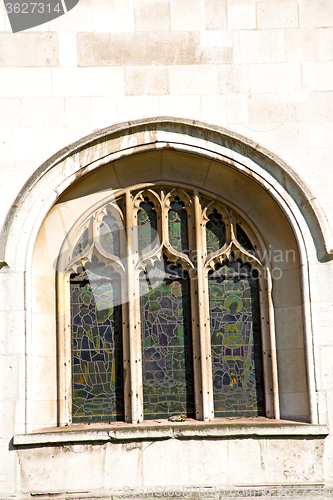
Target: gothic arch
<point>227,165</point>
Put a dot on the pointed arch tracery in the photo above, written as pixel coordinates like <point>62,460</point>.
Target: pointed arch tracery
<point>169,311</point>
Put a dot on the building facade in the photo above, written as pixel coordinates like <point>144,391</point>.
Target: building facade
<point>166,249</point>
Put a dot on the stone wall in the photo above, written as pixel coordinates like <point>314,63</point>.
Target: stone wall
<point>261,68</point>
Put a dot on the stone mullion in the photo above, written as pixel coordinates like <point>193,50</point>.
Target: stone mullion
<point>203,314</point>
<point>134,331</point>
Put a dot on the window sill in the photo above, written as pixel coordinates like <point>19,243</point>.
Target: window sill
<point>219,428</point>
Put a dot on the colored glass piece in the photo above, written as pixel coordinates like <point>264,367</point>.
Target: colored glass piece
<point>168,387</point>
<point>215,232</point>
<point>97,373</point>
<point>109,235</point>
<point>243,239</point>
<point>177,223</point>
<point>236,342</point>
<point>81,244</point>
<point>147,227</point>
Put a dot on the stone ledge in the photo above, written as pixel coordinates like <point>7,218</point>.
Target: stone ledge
<point>163,429</point>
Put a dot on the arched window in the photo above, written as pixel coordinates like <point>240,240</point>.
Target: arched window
<point>167,303</point>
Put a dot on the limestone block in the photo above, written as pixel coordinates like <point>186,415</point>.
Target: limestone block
<point>324,360</point>
<point>237,109</point>
<point>114,15</point>
<point>305,44</point>
<point>44,372</point>
<point>216,14</point>
<point>128,173</point>
<point>187,15</point>
<point>233,78</point>
<point>239,453</point>
<point>241,15</point>
<point>291,370</point>
<point>187,106</point>
<point>81,18</point>
<point>10,112</point>
<point>28,82</point>
<point>262,46</point>
<point>12,377</point>
<point>184,167</point>
<point>318,75</point>
<point>146,81</point>
<point>215,47</point>
<point>137,49</point>
<point>67,49</point>
<point>328,459</point>
<point>284,317</point>
<point>318,107</point>
<point>214,109</point>
<point>317,180</point>
<point>277,14</point>
<point>329,405</point>
<point>29,49</point>
<point>201,79</point>
<point>78,111</point>
<point>11,342</point>
<point>151,16</point>
<point>268,108</point>
<point>88,81</point>
<point>44,333</point>
<point>43,112</point>
<point>280,136</point>
<point>132,107</point>
<point>44,414</point>
<point>11,291</point>
<point>322,314</point>
<point>315,14</point>
<point>318,135</point>
<point>276,77</point>
<point>293,462</point>
<point>43,293</point>
<point>103,111</point>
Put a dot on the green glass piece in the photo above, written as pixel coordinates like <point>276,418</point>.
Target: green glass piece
<point>97,372</point>
<point>147,227</point>
<point>81,244</point>
<point>236,343</point>
<point>215,232</point>
<point>168,387</point>
<point>177,224</point>
<point>109,235</point>
<point>243,239</point>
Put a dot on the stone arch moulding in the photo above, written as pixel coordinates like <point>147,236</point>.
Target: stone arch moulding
<point>103,147</point>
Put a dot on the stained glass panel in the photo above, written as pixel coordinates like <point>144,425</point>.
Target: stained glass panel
<point>177,223</point>
<point>109,235</point>
<point>147,227</point>
<point>215,232</point>
<point>167,348</point>
<point>243,239</point>
<point>236,343</point>
<point>97,373</point>
<point>81,244</point>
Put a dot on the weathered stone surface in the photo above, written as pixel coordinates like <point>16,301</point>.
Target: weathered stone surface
<point>29,49</point>
<point>152,16</point>
<point>143,49</point>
